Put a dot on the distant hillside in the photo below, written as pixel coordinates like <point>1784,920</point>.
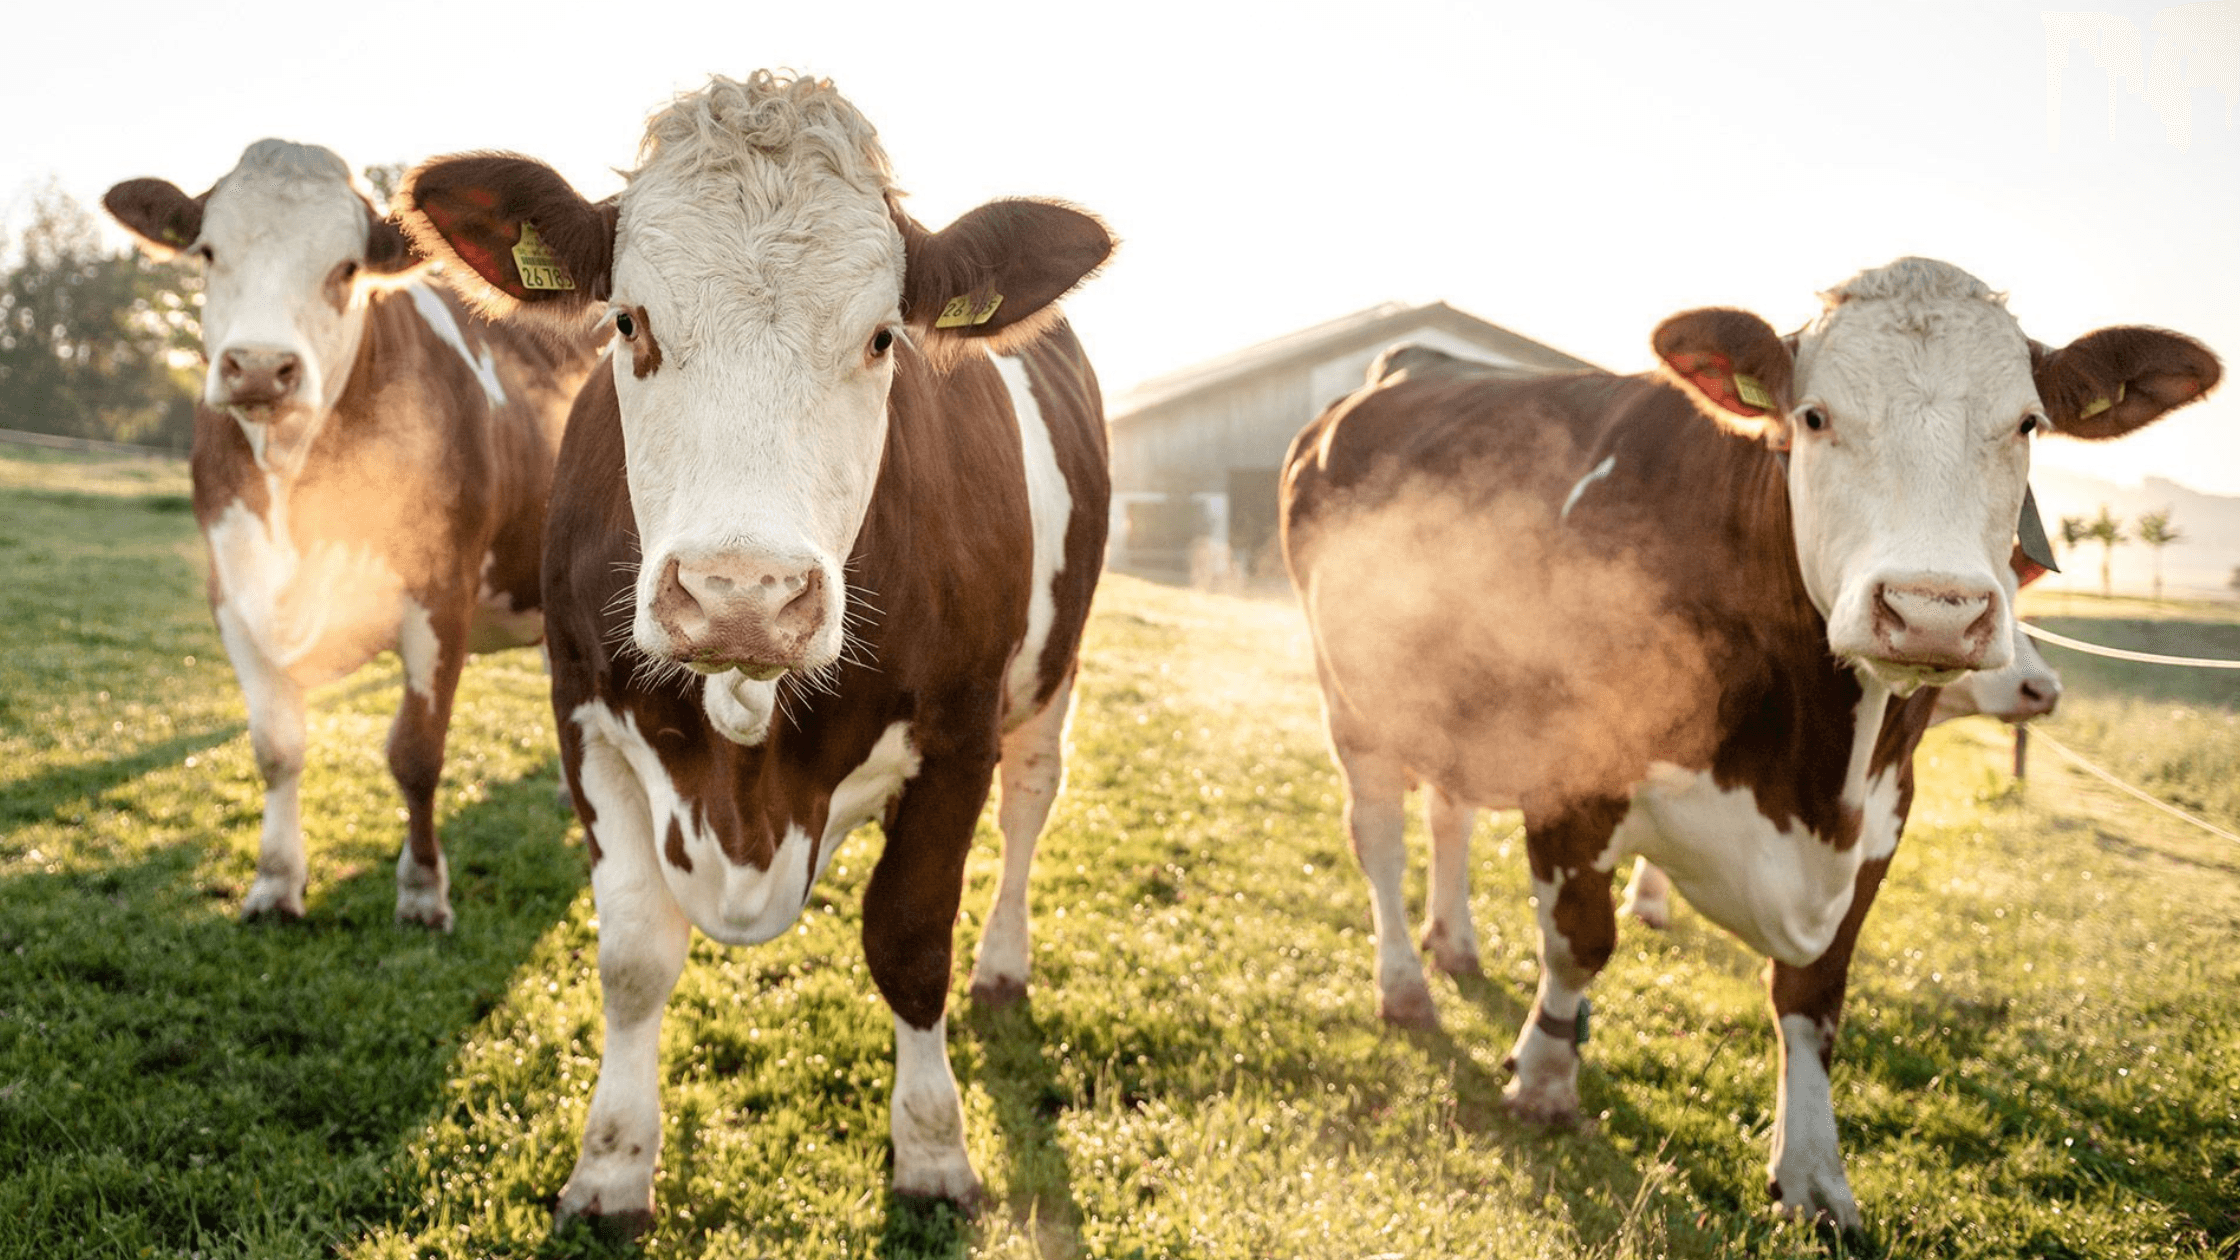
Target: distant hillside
<point>2198,565</point>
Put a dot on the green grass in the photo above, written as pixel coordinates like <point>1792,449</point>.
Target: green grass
<point>2042,1056</point>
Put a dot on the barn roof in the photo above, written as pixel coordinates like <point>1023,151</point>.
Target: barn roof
<point>1378,325</point>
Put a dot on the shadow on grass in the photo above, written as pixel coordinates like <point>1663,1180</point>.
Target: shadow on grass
<point>169,1075</point>
<point>1018,1074</point>
<point>36,799</point>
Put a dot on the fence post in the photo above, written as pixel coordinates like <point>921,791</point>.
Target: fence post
<point>2021,751</point>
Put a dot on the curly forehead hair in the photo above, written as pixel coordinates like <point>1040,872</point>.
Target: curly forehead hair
<point>1913,278</point>
<point>731,127</point>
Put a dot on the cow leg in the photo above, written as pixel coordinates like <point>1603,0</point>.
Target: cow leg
<point>1805,1174</point>
<point>1578,929</point>
<point>1649,895</point>
<point>276,732</point>
<point>1450,935</point>
<point>433,655</point>
<point>909,919</point>
<point>1376,787</point>
<point>1033,769</point>
<point>643,935</point>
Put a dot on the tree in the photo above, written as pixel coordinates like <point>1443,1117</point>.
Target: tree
<point>95,344</point>
<point>2156,532</point>
<point>2106,530</point>
<point>2073,532</point>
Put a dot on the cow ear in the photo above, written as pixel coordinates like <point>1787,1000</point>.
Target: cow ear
<point>521,240</point>
<point>387,249</point>
<point>164,219</point>
<point>997,271</point>
<point>2107,383</point>
<point>1734,367</point>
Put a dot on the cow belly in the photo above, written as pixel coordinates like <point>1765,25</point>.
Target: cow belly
<point>1782,889</point>
<point>732,902</point>
<point>316,614</point>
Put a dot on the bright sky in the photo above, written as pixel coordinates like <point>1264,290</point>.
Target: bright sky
<point>1573,171</point>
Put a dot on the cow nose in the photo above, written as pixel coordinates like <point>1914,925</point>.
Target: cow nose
<point>255,377</point>
<point>1946,626</point>
<point>742,608</point>
<point>2042,696</point>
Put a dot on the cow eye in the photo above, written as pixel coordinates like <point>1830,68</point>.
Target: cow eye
<point>881,342</point>
<point>2029,425</point>
<point>205,253</point>
<point>625,325</point>
<point>1815,419</point>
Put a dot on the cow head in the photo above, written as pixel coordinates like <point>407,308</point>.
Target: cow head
<point>1907,411</point>
<point>762,287</point>
<point>288,245</point>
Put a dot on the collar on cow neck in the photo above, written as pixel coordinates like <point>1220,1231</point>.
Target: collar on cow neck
<point>2029,528</point>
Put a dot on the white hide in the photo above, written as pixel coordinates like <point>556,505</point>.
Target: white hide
<point>286,602</point>
<point>740,707</point>
<point>1545,1089</point>
<point>1807,1163</point>
<point>1050,505</point>
<point>926,1119</point>
<point>1917,478</point>
<point>439,320</point>
<point>1782,889</point>
<point>1033,772</point>
<point>1579,488</point>
<point>733,902</point>
<point>758,440</point>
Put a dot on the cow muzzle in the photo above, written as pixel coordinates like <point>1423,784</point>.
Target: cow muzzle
<point>253,377</point>
<point>760,614</point>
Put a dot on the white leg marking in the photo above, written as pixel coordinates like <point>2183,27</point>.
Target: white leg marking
<point>1034,769</point>
<point>1545,1089</point>
<point>1807,1167</point>
<point>1050,506</point>
<point>424,896</point>
<point>438,318</point>
<point>1450,935</point>
<point>276,732</point>
<point>927,1119</point>
<point>418,649</point>
<point>642,940</point>
<point>1649,895</point>
<point>1374,788</point>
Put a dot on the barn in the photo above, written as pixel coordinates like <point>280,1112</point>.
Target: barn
<point>1195,452</point>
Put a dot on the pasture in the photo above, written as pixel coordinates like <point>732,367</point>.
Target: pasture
<point>2041,1055</point>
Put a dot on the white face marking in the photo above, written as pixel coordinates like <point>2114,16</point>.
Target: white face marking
<point>341,597</point>
<point>753,449</point>
<point>732,902</point>
<point>1905,501</point>
<point>438,318</point>
<point>1783,890</point>
<point>1599,471</point>
<point>284,233</point>
<point>1050,504</point>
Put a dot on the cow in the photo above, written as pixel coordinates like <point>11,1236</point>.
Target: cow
<point>370,466</point>
<point>1697,616</point>
<point>822,545</point>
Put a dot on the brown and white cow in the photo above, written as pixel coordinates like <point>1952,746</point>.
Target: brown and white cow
<point>370,468</point>
<point>1697,618</point>
<point>822,545</point>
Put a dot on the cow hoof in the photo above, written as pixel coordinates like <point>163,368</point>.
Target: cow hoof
<point>589,1206</point>
<point>424,895</point>
<point>998,992</point>
<point>275,898</point>
<point>612,1227</point>
<point>1818,1201</point>
<point>961,1191</point>
<point>1408,1007</point>
<point>1549,1107</point>
<point>435,914</point>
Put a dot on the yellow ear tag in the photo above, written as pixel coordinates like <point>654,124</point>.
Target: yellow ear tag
<point>2101,404</point>
<point>538,268</point>
<point>1750,391</point>
<point>960,312</point>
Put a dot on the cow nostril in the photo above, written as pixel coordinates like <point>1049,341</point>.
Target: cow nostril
<point>717,582</point>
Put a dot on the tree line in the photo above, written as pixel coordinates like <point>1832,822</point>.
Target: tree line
<point>2154,529</point>
<point>95,343</point>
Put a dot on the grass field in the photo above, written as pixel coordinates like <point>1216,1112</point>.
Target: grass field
<point>2041,1057</point>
